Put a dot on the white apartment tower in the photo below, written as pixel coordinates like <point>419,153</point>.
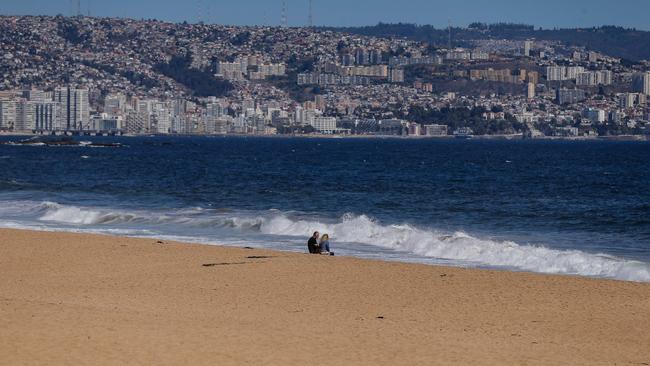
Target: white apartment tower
<point>528,45</point>
<point>75,108</point>
<point>137,122</point>
<point>531,91</point>
<point>214,110</point>
<point>37,96</point>
<point>115,105</point>
<point>25,115</point>
<point>324,124</point>
<point>555,73</point>
<point>641,83</point>
<point>162,117</point>
<point>46,116</point>
<point>7,114</point>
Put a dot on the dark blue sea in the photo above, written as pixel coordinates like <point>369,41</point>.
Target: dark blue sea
<point>566,207</point>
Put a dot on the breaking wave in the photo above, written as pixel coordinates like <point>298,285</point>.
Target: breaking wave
<point>457,247</point>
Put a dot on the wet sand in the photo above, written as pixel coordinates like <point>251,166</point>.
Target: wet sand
<point>71,299</point>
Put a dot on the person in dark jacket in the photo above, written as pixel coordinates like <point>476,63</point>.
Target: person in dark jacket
<point>312,244</point>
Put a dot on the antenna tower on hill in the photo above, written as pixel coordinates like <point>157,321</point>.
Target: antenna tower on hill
<point>311,15</point>
<point>199,11</point>
<point>283,18</point>
<point>449,33</point>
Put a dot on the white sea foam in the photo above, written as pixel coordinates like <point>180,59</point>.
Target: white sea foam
<point>83,216</point>
<point>460,246</point>
<point>455,247</point>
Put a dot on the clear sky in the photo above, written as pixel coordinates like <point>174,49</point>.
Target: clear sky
<point>544,13</point>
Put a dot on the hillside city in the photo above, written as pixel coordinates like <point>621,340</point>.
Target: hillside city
<point>85,75</point>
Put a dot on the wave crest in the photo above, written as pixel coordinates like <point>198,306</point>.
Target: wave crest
<point>80,216</point>
<point>457,247</point>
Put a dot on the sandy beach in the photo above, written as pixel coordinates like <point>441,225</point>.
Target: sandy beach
<point>71,299</point>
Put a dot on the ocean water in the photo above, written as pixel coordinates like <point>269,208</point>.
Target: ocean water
<point>575,208</point>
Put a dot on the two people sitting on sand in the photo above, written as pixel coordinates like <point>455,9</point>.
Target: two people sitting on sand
<point>322,247</point>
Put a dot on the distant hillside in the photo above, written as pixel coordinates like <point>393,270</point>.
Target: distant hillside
<point>620,42</point>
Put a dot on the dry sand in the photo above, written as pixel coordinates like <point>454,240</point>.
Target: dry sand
<point>69,299</point>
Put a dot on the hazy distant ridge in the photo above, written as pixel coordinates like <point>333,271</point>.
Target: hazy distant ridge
<point>631,44</point>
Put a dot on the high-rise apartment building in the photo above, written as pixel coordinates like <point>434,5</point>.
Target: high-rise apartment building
<point>320,101</point>
<point>396,76</point>
<point>75,108</point>
<point>361,56</point>
<point>115,105</point>
<point>573,71</point>
<point>531,91</point>
<point>46,116</point>
<point>528,45</point>
<point>214,109</point>
<point>37,96</point>
<point>559,73</point>
<point>137,122</point>
<point>592,78</point>
<point>324,124</point>
<point>555,73</point>
<point>162,117</point>
<point>25,115</point>
<point>7,114</point>
<point>375,56</point>
<point>347,59</point>
<point>569,96</point>
<point>641,83</point>
<point>627,100</point>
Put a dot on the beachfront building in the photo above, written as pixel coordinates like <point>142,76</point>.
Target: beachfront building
<point>104,122</point>
<point>46,116</point>
<point>75,108</point>
<point>25,113</point>
<point>392,127</point>
<point>136,122</point>
<point>7,114</point>
<point>326,125</point>
<point>435,130</point>
<point>415,129</point>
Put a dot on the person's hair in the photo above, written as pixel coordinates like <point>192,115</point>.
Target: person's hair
<point>325,237</point>
<point>315,233</point>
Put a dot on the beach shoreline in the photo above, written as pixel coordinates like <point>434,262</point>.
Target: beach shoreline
<point>69,298</point>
